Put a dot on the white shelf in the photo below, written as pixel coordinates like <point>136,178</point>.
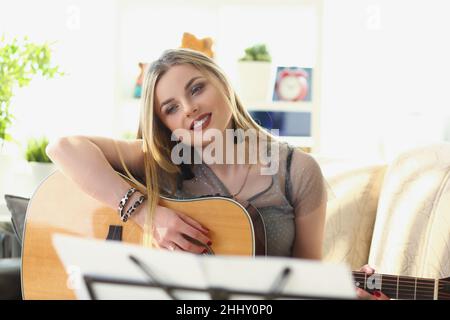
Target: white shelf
<point>298,141</point>
<point>303,106</point>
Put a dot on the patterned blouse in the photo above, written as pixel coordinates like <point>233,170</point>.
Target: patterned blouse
<point>296,189</point>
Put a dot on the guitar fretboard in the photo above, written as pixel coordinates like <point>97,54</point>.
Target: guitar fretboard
<point>403,287</point>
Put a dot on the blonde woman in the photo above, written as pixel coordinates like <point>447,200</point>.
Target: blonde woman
<point>186,96</point>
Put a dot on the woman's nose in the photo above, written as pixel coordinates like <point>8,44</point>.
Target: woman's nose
<point>190,109</point>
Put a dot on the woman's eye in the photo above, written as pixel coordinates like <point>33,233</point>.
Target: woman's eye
<point>171,109</point>
<point>196,89</point>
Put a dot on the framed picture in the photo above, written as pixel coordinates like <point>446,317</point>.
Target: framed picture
<point>292,84</point>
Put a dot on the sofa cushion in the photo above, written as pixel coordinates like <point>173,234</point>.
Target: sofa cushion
<point>412,230</point>
<point>351,209</point>
<point>18,208</point>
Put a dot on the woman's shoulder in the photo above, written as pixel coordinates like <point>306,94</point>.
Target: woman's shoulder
<point>296,153</point>
<point>306,180</point>
<point>302,167</point>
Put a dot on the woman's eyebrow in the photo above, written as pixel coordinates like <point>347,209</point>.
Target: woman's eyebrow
<point>185,88</point>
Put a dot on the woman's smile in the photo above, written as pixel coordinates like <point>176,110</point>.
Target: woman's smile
<point>201,122</point>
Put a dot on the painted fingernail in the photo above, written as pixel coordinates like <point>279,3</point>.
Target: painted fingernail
<point>205,251</point>
<point>209,243</point>
<point>377,294</point>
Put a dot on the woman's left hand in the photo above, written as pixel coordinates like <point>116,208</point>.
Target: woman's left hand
<point>362,294</point>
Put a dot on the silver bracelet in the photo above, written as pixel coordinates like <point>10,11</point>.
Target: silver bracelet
<point>124,201</point>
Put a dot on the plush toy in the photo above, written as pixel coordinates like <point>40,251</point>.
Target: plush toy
<point>204,45</point>
<point>189,41</point>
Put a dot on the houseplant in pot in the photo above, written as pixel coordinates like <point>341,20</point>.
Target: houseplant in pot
<point>254,70</point>
<point>20,62</point>
<point>41,165</point>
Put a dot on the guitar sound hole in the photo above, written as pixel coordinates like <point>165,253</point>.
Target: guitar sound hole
<point>115,233</point>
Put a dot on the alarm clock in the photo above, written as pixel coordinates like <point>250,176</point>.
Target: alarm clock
<point>292,85</point>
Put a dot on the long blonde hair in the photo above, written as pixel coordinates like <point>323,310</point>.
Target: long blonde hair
<point>157,142</point>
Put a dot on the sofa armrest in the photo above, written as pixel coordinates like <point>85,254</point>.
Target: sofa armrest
<point>412,230</point>
<point>351,210</point>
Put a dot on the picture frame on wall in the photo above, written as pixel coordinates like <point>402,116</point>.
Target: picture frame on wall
<point>292,84</point>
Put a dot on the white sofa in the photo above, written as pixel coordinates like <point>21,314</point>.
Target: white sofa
<point>394,216</point>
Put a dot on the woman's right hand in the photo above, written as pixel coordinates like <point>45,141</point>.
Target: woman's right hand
<point>169,226</point>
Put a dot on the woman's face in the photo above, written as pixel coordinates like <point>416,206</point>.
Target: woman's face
<point>186,99</point>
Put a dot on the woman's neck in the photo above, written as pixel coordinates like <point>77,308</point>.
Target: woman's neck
<point>236,150</point>
<point>229,158</point>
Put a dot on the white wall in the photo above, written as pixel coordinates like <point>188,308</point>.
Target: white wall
<point>99,44</point>
<point>147,28</point>
<point>385,63</point>
<point>83,100</point>
<point>385,82</point>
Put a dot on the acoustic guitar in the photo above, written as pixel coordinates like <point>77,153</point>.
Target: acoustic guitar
<point>60,206</point>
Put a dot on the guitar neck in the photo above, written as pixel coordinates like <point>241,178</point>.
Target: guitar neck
<point>402,287</point>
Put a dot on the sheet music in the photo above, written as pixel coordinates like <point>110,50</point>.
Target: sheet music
<point>110,258</point>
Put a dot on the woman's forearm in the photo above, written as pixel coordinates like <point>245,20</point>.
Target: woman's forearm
<point>83,162</point>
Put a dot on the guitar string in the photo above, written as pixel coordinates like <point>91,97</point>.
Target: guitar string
<point>409,284</point>
<point>419,292</point>
<point>422,288</point>
<point>406,279</point>
<point>392,285</point>
<point>401,282</point>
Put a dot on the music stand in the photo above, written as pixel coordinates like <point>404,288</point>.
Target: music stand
<point>282,278</point>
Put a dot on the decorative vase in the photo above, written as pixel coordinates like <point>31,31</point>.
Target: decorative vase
<point>40,171</point>
<point>254,81</point>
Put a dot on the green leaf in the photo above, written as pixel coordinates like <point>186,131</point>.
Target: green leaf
<point>36,150</point>
<point>20,62</point>
<point>257,52</point>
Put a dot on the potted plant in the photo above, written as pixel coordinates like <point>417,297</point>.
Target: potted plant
<point>41,165</point>
<point>20,61</point>
<point>254,70</point>
<point>128,135</point>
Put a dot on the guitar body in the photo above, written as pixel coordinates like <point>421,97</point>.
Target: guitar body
<point>59,206</point>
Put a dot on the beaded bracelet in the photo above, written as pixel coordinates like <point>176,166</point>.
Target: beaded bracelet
<point>133,208</point>
<point>124,201</point>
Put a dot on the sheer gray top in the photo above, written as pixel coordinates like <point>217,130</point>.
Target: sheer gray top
<point>296,189</point>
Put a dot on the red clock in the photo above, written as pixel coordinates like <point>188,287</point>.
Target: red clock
<point>292,85</point>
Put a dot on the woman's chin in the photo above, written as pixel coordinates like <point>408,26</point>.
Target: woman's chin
<point>202,143</point>
<point>205,137</point>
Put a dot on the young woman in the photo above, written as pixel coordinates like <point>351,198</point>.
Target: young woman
<point>185,97</point>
